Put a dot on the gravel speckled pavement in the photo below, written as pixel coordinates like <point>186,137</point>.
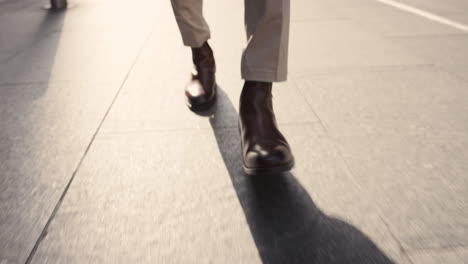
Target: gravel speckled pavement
<point>101,162</point>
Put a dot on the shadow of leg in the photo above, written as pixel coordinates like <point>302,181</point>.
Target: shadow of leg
<point>58,4</point>
<point>286,225</point>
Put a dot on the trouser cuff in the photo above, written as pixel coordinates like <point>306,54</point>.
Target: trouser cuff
<point>195,41</point>
<point>263,75</point>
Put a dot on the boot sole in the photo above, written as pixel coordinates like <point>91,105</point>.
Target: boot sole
<point>201,107</point>
<point>205,106</point>
<point>267,171</point>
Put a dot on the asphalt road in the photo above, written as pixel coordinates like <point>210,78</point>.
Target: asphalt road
<point>101,162</point>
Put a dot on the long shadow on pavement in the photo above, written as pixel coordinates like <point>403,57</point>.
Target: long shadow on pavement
<point>31,47</point>
<point>286,225</point>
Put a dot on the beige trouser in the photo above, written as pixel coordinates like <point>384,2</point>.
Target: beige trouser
<point>265,57</point>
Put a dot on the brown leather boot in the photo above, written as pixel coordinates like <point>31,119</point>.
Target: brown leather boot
<point>264,148</point>
<point>201,90</point>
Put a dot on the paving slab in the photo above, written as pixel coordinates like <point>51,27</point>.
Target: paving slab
<point>67,56</point>
<point>144,204</point>
<point>49,128</point>
<point>88,42</point>
<point>403,143</point>
<point>147,107</point>
<point>153,101</point>
<point>418,183</point>
<point>438,50</point>
<point>461,72</point>
<point>451,256</point>
<point>406,100</point>
<point>375,110</point>
<point>9,6</point>
<point>34,26</point>
<point>389,21</point>
<point>303,10</point>
<point>100,15</point>
<point>442,8</point>
<point>319,46</point>
<point>460,17</point>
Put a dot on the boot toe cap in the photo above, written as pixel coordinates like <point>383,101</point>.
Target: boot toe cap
<point>263,158</point>
<point>197,96</point>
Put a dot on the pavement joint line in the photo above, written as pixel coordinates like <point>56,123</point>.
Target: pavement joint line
<point>26,48</point>
<point>367,69</point>
<point>318,20</point>
<point>80,162</point>
<point>194,129</point>
<point>351,175</point>
<point>425,14</point>
<point>442,248</point>
<point>349,172</point>
<point>55,82</point>
<point>402,249</point>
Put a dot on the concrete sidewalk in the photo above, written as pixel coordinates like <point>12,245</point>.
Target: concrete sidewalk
<point>101,162</point>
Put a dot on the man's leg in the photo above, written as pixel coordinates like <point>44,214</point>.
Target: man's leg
<point>192,24</point>
<point>200,93</point>
<point>264,148</point>
<point>267,26</point>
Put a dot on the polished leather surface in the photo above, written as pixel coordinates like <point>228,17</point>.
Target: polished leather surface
<point>263,145</point>
<point>201,90</point>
